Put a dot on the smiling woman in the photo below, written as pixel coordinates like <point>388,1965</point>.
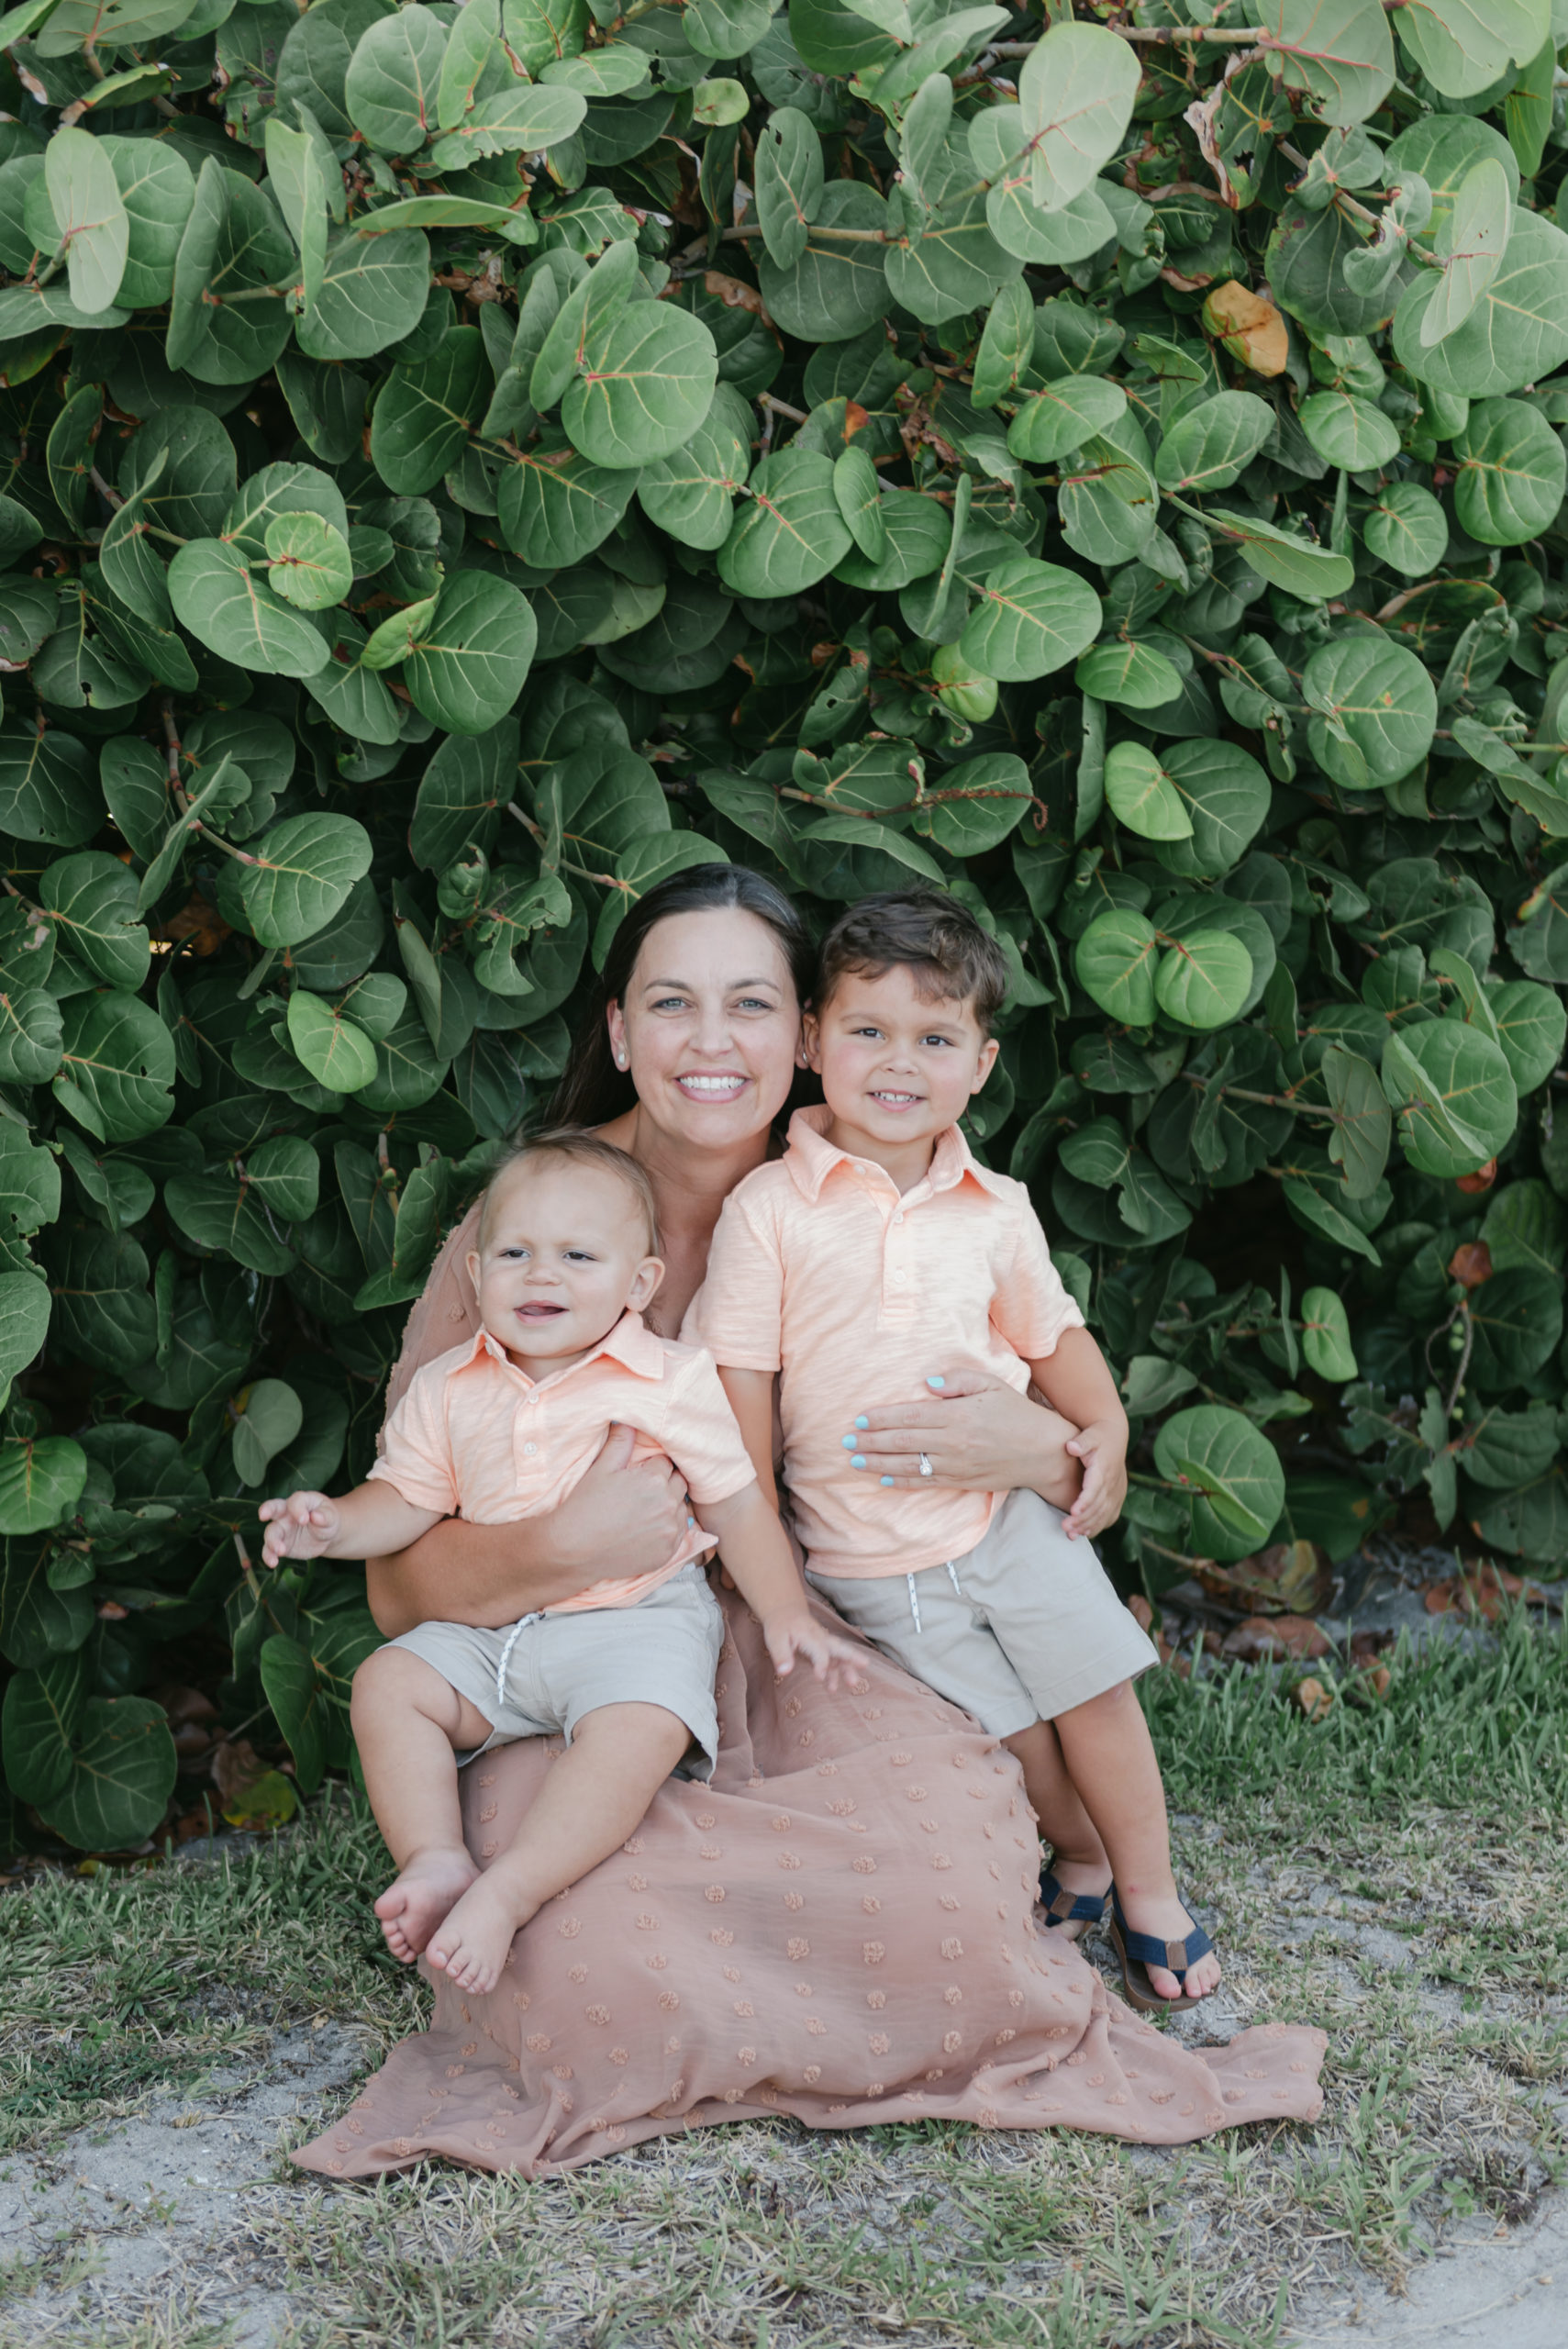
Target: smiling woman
<point>721,1968</point>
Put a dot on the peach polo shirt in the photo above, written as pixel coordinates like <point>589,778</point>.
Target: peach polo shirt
<point>821,1271</point>
<point>476,1436</point>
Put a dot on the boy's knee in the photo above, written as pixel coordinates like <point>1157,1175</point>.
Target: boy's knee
<point>1110,1705</point>
<point>391,1676</point>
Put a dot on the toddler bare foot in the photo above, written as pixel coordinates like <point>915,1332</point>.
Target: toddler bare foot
<point>411,1908</point>
<point>470,1946</point>
<point>1167,1920</point>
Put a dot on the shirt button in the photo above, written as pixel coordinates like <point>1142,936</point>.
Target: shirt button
<point>898,1279</point>
<point>529,1449</point>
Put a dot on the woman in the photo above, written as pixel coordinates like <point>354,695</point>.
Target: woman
<point>840,1925</point>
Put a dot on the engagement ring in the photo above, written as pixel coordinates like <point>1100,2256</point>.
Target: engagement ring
<point>926,1467</point>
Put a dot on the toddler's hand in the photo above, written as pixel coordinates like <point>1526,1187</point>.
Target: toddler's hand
<point>797,1633</point>
<point>304,1526</point>
<point>1102,1448</point>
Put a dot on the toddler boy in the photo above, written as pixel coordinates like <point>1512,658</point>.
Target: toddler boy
<point>864,1266</point>
<point>503,1427</point>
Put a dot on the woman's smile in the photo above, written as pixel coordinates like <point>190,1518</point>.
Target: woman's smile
<point>726,1084</point>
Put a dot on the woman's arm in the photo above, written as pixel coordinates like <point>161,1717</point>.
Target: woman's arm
<point>977,1434</point>
<point>620,1520</point>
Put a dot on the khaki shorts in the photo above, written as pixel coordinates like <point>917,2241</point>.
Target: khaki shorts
<point>1023,1628</point>
<point>556,1668</point>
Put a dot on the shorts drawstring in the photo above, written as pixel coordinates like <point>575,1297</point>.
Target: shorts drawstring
<point>511,1641</point>
<point>914,1596</point>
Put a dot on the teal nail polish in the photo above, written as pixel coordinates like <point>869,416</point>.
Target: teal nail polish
<point>848,1441</point>
<point>857,1462</point>
<point>887,1480</point>
<point>862,1422</point>
<point>936,1382</point>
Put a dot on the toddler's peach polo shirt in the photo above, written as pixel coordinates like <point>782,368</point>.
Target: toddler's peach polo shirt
<point>819,1270</point>
<point>477,1436</point>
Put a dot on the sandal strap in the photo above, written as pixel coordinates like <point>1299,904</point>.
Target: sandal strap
<point>1064,1907</point>
<point>1176,1956</point>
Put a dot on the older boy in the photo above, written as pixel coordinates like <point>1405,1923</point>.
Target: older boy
<point>878,1255</point>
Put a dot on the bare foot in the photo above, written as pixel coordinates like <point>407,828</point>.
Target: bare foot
<point>470,1946</point>
<point>1167,1920</point>
<point>411,1908</point>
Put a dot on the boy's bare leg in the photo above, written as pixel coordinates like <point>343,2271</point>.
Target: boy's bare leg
<point>592,1801</point>
<point>1109,1758</point>
<point>1079,1860</point>
<point>407,1720</point>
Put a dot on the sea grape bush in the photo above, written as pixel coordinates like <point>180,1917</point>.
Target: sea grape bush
<point>464,463</point>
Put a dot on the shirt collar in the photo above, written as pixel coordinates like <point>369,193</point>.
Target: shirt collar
<point>631,1343</point>
<point>811,1158</point>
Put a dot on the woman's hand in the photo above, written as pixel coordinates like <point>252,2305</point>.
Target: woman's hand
<point>977,1434</point>
<point>621,1519</point>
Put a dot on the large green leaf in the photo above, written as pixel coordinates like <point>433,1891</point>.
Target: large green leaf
<point>1518,332</point>
<point>123,1770</point>
<point>1453,1094</point>
<point>1472,238</point>
<point>393,78</point>
<point>1204,980</point>
<point>1338,51</point>
<point>1115,961</point>
<point>93,900</point>
<point>117,1070</point>
<point>1075,95</point>
<point>231,607</point>
<point>789,184</point>
<point>555,506</point>
<point>838,285</point>
<point>373,293</point>
<point>790,532</point>
<point>1032,618</point>
<point>288,1676</point>
<point>1065,414</point>
<point>1511,473</point>
<point>1378,695</point>
<point>1463,45</point>
<point>425,410</point>
<point>90,216</point>
<point>37,1720</point>
<point>1211,446</point>
<point>227,321</point>
<point>298,876</point>
<point>1230,1472</point>
<point>1140,796</point>
<point>470,658</point>
<point>645,382</point>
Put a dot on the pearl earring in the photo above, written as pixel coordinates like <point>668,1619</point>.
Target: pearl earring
<point>620,1060</point>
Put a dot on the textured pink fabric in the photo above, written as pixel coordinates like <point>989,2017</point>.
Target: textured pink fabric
<point>837,1928</point>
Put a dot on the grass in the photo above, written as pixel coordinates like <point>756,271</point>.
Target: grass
<point>1398,1872</point>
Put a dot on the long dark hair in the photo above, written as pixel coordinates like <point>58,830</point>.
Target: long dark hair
<point>594,1090</point>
